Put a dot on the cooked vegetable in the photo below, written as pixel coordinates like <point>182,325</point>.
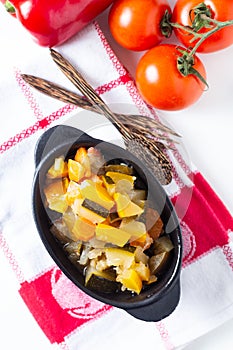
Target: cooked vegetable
<point>136,229</point>
<point>110,234</point>
<point>96,159</point>
<point>86,213</point>
<point>76,170</point>
<point>125,207</point>
<point>116,176</point>
<point>118,168</point>
<point>81,157</point>
<point>83,229</point>
<point>101,280</point>
<point>69,218</point>
<point>154,223</point>
<point>143,271</point>
<point>109,184</point>
<point>124,186</point>
<point>136,195</point>
<point>162,244</point>
<point>131,280</point>
<point>96,193</point>
<point>157,262</point>
<point>74,248</point>
<point>108,230</point>
<point>119,257</point>
<point>56,197</point>
<point>73,192</point>
<point>95,207</point>
<point>58,169</point>
<point>162,248</point>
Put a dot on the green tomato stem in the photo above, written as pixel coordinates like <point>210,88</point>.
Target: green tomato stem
<point>202,19</point>
<point>186,29</point>
<point>9,7</point>
<point>203,36</point>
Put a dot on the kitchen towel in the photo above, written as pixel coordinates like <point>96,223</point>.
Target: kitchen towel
<point>69,318</point>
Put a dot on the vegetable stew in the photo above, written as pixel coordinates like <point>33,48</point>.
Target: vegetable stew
<point>105,222</point>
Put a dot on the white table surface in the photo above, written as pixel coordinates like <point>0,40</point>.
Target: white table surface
<point>207,131</point>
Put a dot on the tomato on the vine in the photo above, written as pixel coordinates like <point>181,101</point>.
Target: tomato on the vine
<point>220,10</point>
<point>136,25</point>
<point>162,85</point>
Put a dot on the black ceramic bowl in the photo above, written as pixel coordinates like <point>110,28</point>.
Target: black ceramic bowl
<point>157,300</point>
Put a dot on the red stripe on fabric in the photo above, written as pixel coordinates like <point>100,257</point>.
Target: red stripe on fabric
<point>58,306</point>
<point>227,251</point>
<point>11,259</point>
<point>164,335</point>
<point>113,84</point>
<point>216,204</point>
<point>194,207</point>
<point>41,124</point>
<point>63,346</point>
<point>119,68</point>
<point>28,95</point>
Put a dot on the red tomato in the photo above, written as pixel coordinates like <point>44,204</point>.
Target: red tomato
<point>162,85</point>
<point>135,24</point>
<point>221,10</point>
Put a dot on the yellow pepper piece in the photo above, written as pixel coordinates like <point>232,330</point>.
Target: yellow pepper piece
<point>86,213</point>
<point>81,156</point>
<point>76,170</point>
<point>143,271</point>
<point>131,280</point>
<point>110,187</point>
<point>119,257</point>
<point>96,193</point>
<point>73,192</point>
<point>83,229</point>
<point>58,169</point>
<point>112,234</point>
<point>136,229</point>
<point>56,197</point>
<point>125,207</point>
<point>115,176</point>
<point>65,183</point>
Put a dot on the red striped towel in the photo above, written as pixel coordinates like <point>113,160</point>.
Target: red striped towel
<point>69,318</point>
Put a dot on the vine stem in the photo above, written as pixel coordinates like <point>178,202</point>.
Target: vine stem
<point>187,29</point>
<point>218,25</point>
<point>202,19</point>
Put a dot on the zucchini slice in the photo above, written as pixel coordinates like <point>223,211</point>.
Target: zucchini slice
<point>118,168</point>
<point>95,207</point>
<point>101,281</point>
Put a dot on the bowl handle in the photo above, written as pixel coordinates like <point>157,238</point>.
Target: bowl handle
<point>159,309</point>
<point>57,135</point>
